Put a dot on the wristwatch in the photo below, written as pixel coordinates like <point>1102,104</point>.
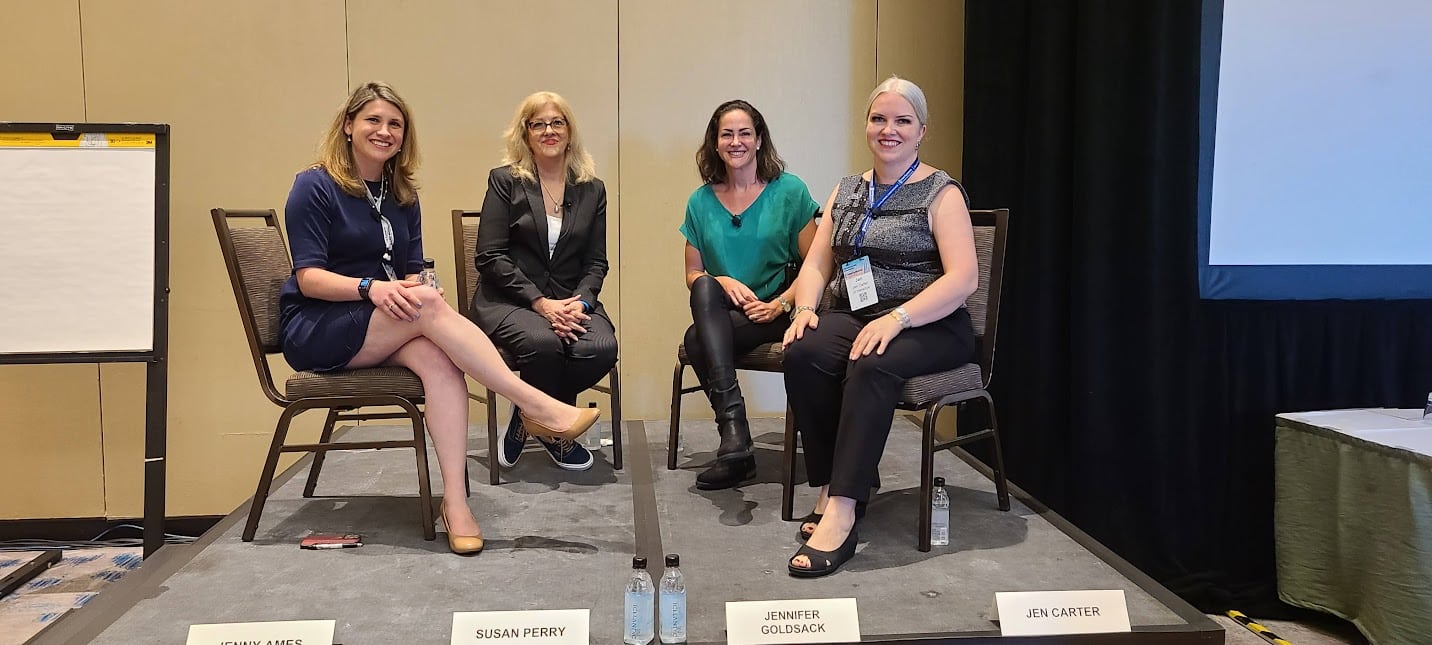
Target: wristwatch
<point>364,286</point>
<point>785,304</point>
<point>903,317</point>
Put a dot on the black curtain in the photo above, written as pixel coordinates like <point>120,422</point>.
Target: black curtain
<point>1130,406</point>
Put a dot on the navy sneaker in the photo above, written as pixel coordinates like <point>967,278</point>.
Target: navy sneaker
<point>568,454</point>
<point>512,441</point>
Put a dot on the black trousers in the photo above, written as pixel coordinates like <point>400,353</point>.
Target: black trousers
<point>843,408</point>
<point>720,331</point>
<point>548,363</point>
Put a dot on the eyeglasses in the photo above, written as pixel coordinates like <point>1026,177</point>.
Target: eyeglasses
<point>557,125</point>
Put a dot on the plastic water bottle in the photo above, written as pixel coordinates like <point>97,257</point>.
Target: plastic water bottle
<point>940,515</point>
<point>1427,411</point>
<point>593,438</point>
<point>636,627</point>
<point>429,275</point>
<point>673,602</point>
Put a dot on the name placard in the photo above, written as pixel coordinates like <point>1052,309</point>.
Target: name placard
<point>537,627</point>
<point>826,620</point>
<point>1041,613</point>
<point>287,632</point>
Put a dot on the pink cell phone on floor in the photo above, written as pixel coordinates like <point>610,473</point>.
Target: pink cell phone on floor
<point>331,541</point>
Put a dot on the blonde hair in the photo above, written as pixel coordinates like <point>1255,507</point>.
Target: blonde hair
<point>335,151</point>
<point>907,90</point>
<point>519,156</point>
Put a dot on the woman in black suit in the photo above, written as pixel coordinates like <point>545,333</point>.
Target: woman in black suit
<point>542,257</point>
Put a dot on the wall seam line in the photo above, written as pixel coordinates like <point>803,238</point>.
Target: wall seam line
<point>84,89</point>
<point>621,201</point>
<point>347,51</point>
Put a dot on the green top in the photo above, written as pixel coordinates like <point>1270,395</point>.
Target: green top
<point>756,252</point>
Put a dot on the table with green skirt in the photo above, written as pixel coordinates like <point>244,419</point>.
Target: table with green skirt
<point>1353,518</point>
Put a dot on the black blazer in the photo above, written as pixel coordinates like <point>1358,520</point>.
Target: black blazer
<point>511,257</point>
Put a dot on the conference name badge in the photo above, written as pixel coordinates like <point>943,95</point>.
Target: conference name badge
<point>287,632</point>
<point>536,627</point>
<point>826,620</point>
<point>859,283</point>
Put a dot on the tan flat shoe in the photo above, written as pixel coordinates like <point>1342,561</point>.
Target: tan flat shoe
<point>461,544</point>
<point>585,418</point>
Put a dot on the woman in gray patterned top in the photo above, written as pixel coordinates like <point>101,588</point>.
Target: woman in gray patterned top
<point>898,256</point>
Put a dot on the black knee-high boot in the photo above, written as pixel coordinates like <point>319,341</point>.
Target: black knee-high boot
<point>713,332</point>
<point>731,422</point>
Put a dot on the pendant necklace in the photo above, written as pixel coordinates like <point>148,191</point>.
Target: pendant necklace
<point>556,203</point>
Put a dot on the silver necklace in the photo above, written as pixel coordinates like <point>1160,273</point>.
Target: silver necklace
<point>556,203</point>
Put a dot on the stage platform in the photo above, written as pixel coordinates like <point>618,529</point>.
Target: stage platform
<point>560,540</point>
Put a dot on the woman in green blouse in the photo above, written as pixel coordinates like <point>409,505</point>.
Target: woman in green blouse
<point>744,226</point>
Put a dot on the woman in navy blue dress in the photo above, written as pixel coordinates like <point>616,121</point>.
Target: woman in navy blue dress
<point>355,229</point>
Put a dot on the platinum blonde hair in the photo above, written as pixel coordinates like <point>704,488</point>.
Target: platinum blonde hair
<point>907,90</point>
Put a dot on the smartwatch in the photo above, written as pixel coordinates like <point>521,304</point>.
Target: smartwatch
<point>364,286</point>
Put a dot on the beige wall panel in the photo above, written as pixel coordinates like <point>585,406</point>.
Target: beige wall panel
<point>805,64</point>
<point>463,67</point>
<point>40,62</point>
<point>51,441</point>
<point>51,412</point>
<point>122,386</point>
<point>248,88</point>
<point>924,41</point>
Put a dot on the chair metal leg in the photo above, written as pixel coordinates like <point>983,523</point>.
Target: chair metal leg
<point>615,396</point>
<point>1000,484</point>
<point>788,468</point>
<point>325,437</point>
<point>927,474</point>
<point>256,508</point>
<point>493,472</point>
<point>616,399</point>
<point>674,433</point>
<point>425,491</point>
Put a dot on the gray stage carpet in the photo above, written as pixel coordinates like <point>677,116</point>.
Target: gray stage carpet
<point>558,540</point>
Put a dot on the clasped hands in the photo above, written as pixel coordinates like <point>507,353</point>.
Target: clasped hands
<point>742,296</point>
<point>566,316</point>
<point>393,297</point>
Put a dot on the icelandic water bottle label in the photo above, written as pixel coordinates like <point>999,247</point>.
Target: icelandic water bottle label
<point>537,627</point>
<point>940,529</point>
<point>673,618</point>
<point>940,515</point>
<point>1427,411</point>
<point>637,622</point>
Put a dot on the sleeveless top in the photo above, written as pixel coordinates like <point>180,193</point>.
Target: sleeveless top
<point>903,256</point>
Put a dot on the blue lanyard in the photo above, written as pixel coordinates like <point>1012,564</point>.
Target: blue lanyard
<point>872,204</point>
